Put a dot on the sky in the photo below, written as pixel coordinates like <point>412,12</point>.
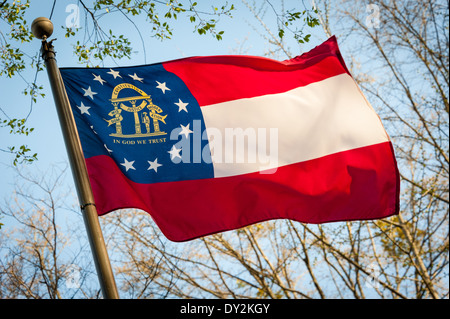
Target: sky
<point>241,37</point>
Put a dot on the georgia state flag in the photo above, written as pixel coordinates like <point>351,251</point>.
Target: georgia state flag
<point>209,144</point>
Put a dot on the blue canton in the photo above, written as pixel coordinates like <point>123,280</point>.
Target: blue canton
<point>144,118</point>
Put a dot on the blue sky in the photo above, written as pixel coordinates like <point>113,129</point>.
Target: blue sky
<point>240,37</point>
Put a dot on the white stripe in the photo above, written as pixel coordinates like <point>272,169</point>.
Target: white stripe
<point>309,122</point>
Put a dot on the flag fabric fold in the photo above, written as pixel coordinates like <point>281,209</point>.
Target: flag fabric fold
<point>210,144</point>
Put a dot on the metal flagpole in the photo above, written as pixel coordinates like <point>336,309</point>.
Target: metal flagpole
<point>43,28</point>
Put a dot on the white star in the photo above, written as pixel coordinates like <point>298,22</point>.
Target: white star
<point>98,78</point>
<point>115,74</point>
<point>163,87</point>
<point>109,151</point>
<point>185,130</point>
<point>92,128</point>
<point>128,165</point>
<point>88,92</point>
<point>154,165</point>
<point>174,152</point>
<point>84,109</point>
<point>135,77</point>
<point>181,105</point>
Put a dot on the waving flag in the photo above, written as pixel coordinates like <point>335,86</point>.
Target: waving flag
<point>209,144</point>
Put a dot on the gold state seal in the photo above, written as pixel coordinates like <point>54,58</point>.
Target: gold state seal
<point>138,105</point>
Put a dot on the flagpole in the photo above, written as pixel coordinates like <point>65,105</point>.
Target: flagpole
<point>43,28</point>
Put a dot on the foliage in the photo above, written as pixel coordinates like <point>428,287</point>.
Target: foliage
<point>38,254</point>
<point>93,42</point>
<point>401,64</point>
<point>405,76</point>
<point>293,24</point>
<point>12,62</point>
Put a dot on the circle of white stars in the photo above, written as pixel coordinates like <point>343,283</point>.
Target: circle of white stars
<point>182,106</point>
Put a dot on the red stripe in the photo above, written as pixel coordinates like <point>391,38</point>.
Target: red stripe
<point>219,79</point>
<point>353,185</point>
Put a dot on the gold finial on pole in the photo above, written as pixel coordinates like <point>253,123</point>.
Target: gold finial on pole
<point>42,28</point>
